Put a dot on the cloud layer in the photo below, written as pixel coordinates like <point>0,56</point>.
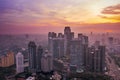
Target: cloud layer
<point>111,13</point>
<point>115,9</point>
<point>24,14</point>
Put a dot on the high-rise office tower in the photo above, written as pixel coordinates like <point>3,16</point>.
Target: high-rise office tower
<point>32,56</point>
<point>85,57</point>
<point>19,62</point>
<point>91,58</point>
<point>51,35</point>
<point>97,59</point>
<point>50,41</point>
<point>38,57</point>
<point>58,47</point>
<point>47,62</point>
<point>56,44</point>
<point>78,51</point>
<point>68,37</point>
<point>76,54</point>
<point>102,58</point>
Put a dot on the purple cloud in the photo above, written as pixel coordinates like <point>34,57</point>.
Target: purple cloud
<point>115,9</point>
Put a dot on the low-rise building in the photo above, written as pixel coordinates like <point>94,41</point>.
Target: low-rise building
<point>7,59</point>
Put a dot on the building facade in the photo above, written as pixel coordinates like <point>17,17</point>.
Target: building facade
<point>32,56</point>
<point>47,62</point>
<point>39,57</point>
<point>19,63</point>
<point>7,59</point>
<point>65,45</point>
<point>76,51</point>
<point>76,54</point>
<point>96,59</point>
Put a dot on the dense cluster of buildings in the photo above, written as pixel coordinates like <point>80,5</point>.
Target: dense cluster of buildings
<point>77,50</point>
<point>113,45</point>
<point>65,52</point>
<point>39,59</point>
<point>40,63</point>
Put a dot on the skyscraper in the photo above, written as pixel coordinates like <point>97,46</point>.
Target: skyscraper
<point>68,46</point>
<point>19,62</point>
<point>97,59</point>
<point>47,62</point>
<point>38,57</point>
<point>56,44</point>
<point>51,35</point>
<point>32,56</point>
<point>102,58</point>
<point>68,37</point>
<point>76,54</point>
<point>58,47</point>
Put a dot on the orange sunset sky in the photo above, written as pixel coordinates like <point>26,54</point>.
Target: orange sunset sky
<point>42,16</point>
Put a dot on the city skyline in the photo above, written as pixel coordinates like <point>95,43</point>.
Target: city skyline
<point>81,57</point>
<point>39,16</point>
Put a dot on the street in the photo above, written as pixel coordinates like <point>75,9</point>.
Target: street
<point>113,69</point>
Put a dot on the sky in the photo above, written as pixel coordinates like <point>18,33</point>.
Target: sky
<point>43,16</point>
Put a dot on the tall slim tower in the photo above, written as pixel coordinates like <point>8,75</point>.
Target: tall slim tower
<point>68,38</point>
<point>102,58</point>
<point>32,56</point>
<point>39,56</point>
<point>19,63</point>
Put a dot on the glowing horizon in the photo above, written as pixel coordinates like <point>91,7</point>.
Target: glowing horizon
<point>28,16</point>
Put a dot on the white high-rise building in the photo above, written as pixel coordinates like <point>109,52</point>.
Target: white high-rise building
<point>47,62</point>
<point>19,62</point>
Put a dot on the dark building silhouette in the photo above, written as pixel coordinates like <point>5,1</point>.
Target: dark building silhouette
<point>68,37</point>
<point>85,57</point>
<point>38,57</point>
<point>102,58</point>
<point>96,59</point>
<point>32,56</point>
